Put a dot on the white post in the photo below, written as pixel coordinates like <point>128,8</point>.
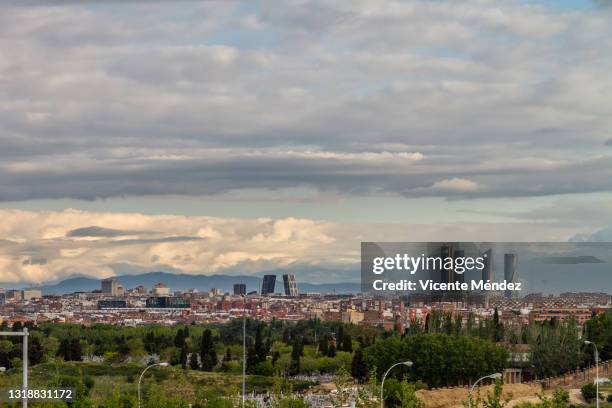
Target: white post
<point>243,349</point>
<point>25,367</point>
<point>24,364</point>
<point>596,371</point>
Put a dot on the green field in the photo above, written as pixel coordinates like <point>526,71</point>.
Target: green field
<point>108,382</point>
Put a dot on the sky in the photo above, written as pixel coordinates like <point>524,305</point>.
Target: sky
<point>238,137</point>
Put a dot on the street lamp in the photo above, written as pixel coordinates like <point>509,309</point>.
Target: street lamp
<point>243,349</point>
<point>493,376</point>
<point>24,333</point>
<point>407,363</point>
<point>596,370</point>
<point>143,372</point>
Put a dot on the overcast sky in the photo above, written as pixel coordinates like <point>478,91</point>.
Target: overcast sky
<point>309,124</point>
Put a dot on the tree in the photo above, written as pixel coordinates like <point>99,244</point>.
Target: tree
<point>179,339</point>
<point>194,364</point>
<point>75,350</point>
<point>359,369</point>
<point>406,396</point>
<point>208,355</point>
<point>347,343</point>
<point>498,327</point>
<point>494,400</point>
<point>6,347</point>
<point>599,330</point>
<point>252,359</point>
<point>183,357</point>
<point>331,351</point>
<point>35,351</point>
<point>589,391</point>
<point>64,350</point>
<point>323,344</point>
<point>296,352</point>
<point>439,359</point>
<point>260,347</point>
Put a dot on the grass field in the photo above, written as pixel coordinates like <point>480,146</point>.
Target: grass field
<point>106,380</point>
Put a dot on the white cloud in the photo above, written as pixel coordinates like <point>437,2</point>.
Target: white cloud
<point>459,185</point>
<point>43,246</point>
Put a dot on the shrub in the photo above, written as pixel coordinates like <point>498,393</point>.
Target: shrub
<point>589,391</point>
<point>264,368</point>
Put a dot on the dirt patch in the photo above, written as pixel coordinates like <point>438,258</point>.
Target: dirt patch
<point>454,397</point>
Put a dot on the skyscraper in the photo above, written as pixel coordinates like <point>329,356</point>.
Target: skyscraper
<point>239,289</point>
<point>291,289</point>
<point>109,287</point>
<point>458,277</point>
<point>487,272</point>
<point>446,274</point>
<point>510,261</point>
<point>268,284</point>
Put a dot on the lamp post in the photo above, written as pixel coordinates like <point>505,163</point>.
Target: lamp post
<point>596,371</point>
<point>24,363</point>
<point>493,376</point>
<point>407,363</point>
<point>143,372</point>
<point>243,349</point>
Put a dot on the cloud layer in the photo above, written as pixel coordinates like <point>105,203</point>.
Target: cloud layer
<point>47,246</point>
<point>459,100</point>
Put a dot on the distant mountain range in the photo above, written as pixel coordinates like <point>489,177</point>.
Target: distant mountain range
<point>184,282</point>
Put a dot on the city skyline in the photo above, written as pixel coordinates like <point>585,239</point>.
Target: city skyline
<point>242,137</point>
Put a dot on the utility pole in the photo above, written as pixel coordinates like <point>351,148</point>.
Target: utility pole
<point>24,363</point>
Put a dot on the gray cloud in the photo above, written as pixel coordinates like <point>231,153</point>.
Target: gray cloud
<point>571,260</point>
<point>97,232</point>
<point>121,101</point>
<point>608,142</point>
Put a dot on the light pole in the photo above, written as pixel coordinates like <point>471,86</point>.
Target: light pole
<point>24,363</point>
<point>407,363</point>
<point>143,372</point>
<point>243,349</point>
<point>493,376</point>
<point>596,371</point>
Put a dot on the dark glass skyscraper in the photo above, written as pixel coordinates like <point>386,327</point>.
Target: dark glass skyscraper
<point>458,277</point>
<point>268,284</point>
<point>509,271</point>
<point>487,271</point>
<point>446,275</point>
<point>239,289</point>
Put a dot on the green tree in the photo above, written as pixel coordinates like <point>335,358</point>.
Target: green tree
<point>347,343</point>
<point>359,369</point>
<point>208,355</point>
<point>589,391</point>
<point>323,344</point>
<point>194,363</point>
<point>406,396</point>
<point>296,353</point>
<point>260,347</point>
<point>183,357</point>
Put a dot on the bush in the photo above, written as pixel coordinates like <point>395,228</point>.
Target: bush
<point>589,391</point>
<point>264,368</point>
<point>609,398</point>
